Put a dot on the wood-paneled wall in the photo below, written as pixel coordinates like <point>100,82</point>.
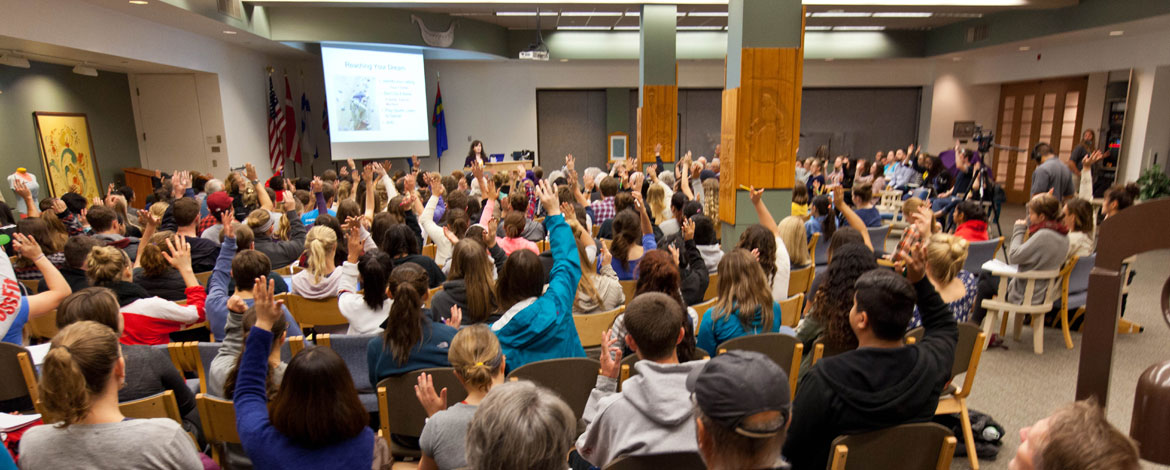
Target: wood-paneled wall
<point>761,124</point>
<point>658,122</point>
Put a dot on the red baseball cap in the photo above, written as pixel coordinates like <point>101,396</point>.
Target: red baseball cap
<point>218,202</point>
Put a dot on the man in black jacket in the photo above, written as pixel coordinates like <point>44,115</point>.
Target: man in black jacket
<point>882,383</point>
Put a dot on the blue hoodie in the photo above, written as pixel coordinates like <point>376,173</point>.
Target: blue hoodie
<point>542,327</point>
<point>217,293</point>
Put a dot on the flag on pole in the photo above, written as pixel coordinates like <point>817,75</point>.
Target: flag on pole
<point>275,128</point>
<point>292,149</point>
<point>306,139</point>
<point>440,123</point>
<point>325,117</point>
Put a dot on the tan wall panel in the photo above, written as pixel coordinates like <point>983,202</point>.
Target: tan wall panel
<point>729,151</point>
<point>658,122</point>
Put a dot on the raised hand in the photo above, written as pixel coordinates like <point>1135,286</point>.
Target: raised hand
<point>21,189</point>
<point>456,317</point>
<point>493,229</point>
<point>225,218</point>
<point>688,229</point>
<point>756,194</point>
<point>673,253</point>
<point>180,253</point>
<point>148,219</point>
<point>548,198</point>
<point>316,185</point>
<point>250,172</point>
<point>490,192</point>
<point>237,304</point>
<point>606,257</point>
<point>477,170</point>
<point>268,309</point>
<point>26,246</point>
<point>59,206</point>
<point>611,356</point>
<point>570,162</point>
<point>436,185</point>
<point>425,391</point>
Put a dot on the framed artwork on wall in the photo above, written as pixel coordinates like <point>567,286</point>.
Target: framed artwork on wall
<point>619,146</point>
<point>67,154</point>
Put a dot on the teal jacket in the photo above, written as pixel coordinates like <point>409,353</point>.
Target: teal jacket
<point>712,333</point>
<point>542,327</point>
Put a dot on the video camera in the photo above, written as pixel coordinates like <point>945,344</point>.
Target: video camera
<point>984,141</point>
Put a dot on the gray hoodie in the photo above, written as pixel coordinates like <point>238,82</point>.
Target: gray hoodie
<point>302,284</point>
<point>712,255</point>
<point>651,415</point>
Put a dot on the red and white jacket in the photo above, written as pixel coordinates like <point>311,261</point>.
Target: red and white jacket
<point>151,320</point>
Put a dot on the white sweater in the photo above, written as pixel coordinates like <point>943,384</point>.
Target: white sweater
<point>363,320</point>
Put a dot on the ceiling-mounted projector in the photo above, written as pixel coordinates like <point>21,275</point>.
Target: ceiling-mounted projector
<point>82,69</point>
<point>534,54</point>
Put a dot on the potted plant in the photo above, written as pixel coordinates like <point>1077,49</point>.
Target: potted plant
<point>1154,183</point>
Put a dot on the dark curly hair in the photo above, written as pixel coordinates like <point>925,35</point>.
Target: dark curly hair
<point>834,298</point>
<point>658,273</point>
<point>760,238</point>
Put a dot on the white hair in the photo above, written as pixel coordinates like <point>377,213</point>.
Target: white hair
<point>598,178</point>
<point>667,178</point>
<point>213,185</point>
<point>547,427</point>
<point>553,175</point>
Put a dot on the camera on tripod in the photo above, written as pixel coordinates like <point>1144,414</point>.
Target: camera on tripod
<point>984,141</point>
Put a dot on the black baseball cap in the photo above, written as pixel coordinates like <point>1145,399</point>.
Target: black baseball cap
<point>738,384</point>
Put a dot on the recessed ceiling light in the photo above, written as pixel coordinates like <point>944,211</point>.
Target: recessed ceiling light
<point>818,28</point>
<point>228,31</point>
<point>564,60</point>
<point>626,28</point>
<point>583,28</point>
<point>138,2</point>
<point>830,59</point>
<point>859,28</point>
<point>903,14</point>
<point>708,13</point>
<point>633,13</point>
<point>842,14</point>
<point>1116,33</point>
<point>1025,48</point>
<point>956,59</point>
<point>700,28</point>
<point>591,13</point>
<point>525,13</point>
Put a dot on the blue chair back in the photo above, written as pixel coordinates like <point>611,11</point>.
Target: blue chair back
<point>877,237</point>
<point>352,349</point>
<point>821,253</point>
<point>1078,281</point>
<point>979,253</point>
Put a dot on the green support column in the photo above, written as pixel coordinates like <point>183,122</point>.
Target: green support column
<point>657,83</point>
<point>761,27</point>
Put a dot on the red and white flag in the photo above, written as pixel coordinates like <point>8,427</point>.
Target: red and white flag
<point>276,128</point>
<point>291,146</point>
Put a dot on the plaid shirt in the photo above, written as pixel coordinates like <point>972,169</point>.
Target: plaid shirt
<point>73,224</point>
<point>603,210</point>
<point>205,223</point>
<point>533,201</point>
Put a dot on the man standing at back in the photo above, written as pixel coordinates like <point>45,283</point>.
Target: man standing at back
<point>1051,175</point>
<point>882,383</point>
<point>652,413</point>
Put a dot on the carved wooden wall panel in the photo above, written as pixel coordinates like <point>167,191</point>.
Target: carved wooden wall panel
<point>727,145</point>
<point>658,122</point>
<point>769,114</point>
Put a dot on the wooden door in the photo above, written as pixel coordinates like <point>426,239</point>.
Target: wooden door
<point>1033,112</point>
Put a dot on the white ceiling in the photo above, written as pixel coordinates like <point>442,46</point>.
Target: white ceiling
<point>53,54</point>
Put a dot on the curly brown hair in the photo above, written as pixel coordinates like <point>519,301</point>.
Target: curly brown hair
<point>834,298</point>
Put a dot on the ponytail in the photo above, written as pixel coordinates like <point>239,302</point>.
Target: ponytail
<point>375,267</point>
<point>321,243</point>
<point>627,231</point>
<point>77,368</point>
<point>152,260</point>
<point>825,207</point>
<point>404,325</point>
<point>476,356</point>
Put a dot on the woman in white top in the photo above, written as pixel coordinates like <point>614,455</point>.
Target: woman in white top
<point>1078,217</point>
<point>777,267</point>
<point>84,428</point>
<point>596,291</point>
<point>320,279</point>
<point>366,310</point>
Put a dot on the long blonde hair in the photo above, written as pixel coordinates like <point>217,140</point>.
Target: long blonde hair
<point>742,288</point>
<point>76,370</point>
<point>159,209</point>
<point>588,282</point>
<point>656,201</point>
<point>321,244</point>
<point>711,198</point>
<point>945,255</point>
<point>476,356</point>
<point>795,241</point>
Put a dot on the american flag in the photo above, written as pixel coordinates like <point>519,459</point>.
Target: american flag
<point>290,126</point>
<point>276,125</point>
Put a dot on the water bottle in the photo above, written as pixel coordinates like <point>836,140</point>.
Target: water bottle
<point>991,434</point>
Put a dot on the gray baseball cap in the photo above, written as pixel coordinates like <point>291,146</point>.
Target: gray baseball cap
<point>738,384</point>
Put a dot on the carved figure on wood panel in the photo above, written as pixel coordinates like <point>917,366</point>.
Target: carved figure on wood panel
<point>766,131</point>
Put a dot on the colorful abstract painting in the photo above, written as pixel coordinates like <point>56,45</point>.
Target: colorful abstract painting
<point>67,153</point>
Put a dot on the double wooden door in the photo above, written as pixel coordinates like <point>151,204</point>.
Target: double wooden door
<point>1029,113</point>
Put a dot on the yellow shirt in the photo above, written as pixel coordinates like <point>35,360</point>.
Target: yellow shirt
<point>800,210</point>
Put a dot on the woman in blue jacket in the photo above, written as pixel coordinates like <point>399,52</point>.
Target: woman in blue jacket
<point>315,419</point>
<point>535,327</point>
<point>744,306</point>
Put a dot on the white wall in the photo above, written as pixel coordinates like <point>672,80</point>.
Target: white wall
<point>84,26</point>
<point>955,98</point>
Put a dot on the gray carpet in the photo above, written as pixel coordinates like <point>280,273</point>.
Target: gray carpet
<point>1018,387</point>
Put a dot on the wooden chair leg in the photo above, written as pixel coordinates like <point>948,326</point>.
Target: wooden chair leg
<point>1038,333</point>
<point>989,322</point>
<point>1126,327</point>
<point>1064,326</point>
<point>968,435</point>
<point>1003,322</point>
<point>1017,325</point>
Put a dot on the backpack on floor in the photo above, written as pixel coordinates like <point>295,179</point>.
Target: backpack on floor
<point>988,434</point>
